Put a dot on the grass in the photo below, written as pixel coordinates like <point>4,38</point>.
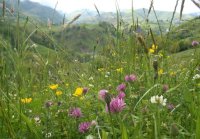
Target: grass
<point>50,94</point>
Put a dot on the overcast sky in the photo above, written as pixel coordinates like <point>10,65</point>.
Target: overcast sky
<point>109,5</point>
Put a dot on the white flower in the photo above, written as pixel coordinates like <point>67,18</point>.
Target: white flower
<point>90,85</point>
<point>159,100</point>
<point>48,135</point>
<point>37,119</point>
<point>91,78</point>
<point>195,77</point>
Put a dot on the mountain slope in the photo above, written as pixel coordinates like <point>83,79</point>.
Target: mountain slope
<point>182,35</point>
<point>36,11</point>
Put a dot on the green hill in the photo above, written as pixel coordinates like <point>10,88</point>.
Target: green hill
<point>35,10</point>
<point>182,35</point>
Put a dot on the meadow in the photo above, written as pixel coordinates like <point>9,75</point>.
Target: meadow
<point>132,88</point>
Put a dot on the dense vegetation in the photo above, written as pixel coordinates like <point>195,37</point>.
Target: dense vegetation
<point>98,80</point>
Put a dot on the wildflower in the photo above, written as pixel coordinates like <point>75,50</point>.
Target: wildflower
<point>102,94</point>
<point>130,78</point>
<point>159,100</point>
<point>78,92</point>
<point>85,90</point>
<point>151,51</point>
<point>120,70</point>
<point>196,77</point>
<point>53,86</point>
<point>94,122</point>
<point>67,85</point>
<point>48,135</point>
<point>195,43</point>
<point>172,73</point>
<point>84,127</point>
<point>58,93</point>
<point>165,87</point>
<point>121,87</point>
<point>160,71</point>
<point>37,120</point>
<point>107,74</point>
<point>75,112</point>
<point>101,69</point>
<point>48,104</point>
<point>117,105</point>
<point>26,100</point>
<point>170,106</point>
<point>121,95</point>
<point>154,47</point>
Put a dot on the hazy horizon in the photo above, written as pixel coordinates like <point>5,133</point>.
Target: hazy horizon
<point>68,6</point>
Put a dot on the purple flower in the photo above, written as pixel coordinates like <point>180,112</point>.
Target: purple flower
<point>117,105</point>
<point>84,127</point>
<point>121,95</point>
<point>75,112</point>
<point>130,78</point>
<point>195,43</point>
<point>170,106</point>
<point>165,87</point>
<point>102,94</point>
<point>85,90</point>
<point>121,87</point>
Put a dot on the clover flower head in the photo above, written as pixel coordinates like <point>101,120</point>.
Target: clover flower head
<point>121,87</point>
<point>116,105</point>
<point>121,95</point>
<point>75,112</point>
<point>195,43</point>
<point>84,127</point>
<point>130,78</point>
<point>159,100</point>
<point>102,94</point>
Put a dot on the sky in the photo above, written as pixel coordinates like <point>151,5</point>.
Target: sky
<point>68,6</point>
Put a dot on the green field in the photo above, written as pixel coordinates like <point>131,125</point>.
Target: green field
<point>98,81</point>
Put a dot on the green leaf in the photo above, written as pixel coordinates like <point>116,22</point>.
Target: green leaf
<point>124,131</point>
<point>104,134</point>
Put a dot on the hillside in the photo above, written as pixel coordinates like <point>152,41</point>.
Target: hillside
<point>89,16</point>
<point>36,11</point>
<point>182,35</point>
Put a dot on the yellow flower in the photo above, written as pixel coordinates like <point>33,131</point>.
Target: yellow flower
<point>119,70</point>
<point>58,93</point>
<point>172,73</point>
<point>160,71</point>
<point>78,92</point>
<point>154,47</point>
<point>26,100</point>
<point>67,85</point>
<point>53,86</point>
<point>101,69</point>
<point>151,51</point>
